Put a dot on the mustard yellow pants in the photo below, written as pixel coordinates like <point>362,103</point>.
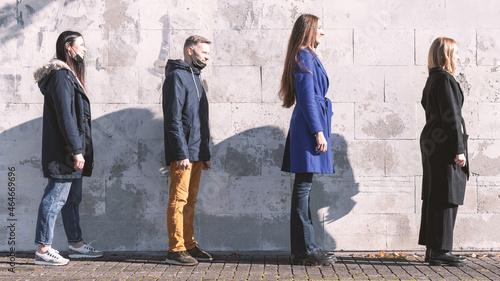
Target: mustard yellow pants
<point>183,191</point>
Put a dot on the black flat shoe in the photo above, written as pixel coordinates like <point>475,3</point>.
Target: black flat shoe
<point>438,258</point>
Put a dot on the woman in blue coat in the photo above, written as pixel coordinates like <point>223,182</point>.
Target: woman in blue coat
<point>305,83</point>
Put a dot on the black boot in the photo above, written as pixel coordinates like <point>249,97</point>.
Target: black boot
<point>446,257</point>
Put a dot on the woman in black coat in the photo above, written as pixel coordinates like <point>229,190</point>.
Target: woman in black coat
<point>443,144</point>
<point>67,152</point>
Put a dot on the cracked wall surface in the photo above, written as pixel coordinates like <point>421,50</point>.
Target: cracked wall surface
<point>375,54</point>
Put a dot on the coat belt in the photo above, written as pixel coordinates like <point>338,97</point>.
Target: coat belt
<point>326,107</point>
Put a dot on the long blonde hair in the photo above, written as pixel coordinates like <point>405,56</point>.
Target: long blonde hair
<point>303,37</point>
<point>441,54</point>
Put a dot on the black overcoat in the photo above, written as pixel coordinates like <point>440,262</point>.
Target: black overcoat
<point>443,137</point>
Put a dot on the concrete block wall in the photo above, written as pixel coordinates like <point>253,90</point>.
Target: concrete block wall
<point>375,54</point>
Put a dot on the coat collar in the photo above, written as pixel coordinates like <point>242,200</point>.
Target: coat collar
<point>180,64</point>
<point>437,70</point>
<point>320,65</point>
<point>441,70</point>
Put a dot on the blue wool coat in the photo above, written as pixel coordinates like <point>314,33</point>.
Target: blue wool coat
<point>312,113</point>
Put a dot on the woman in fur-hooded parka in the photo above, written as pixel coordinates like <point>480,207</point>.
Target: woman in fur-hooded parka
<point>66,122</point>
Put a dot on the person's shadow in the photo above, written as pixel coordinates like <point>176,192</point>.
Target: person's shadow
<point>245,201</point>
<point>243,204</point>
<point>124,201</point>
<point>332,196</point>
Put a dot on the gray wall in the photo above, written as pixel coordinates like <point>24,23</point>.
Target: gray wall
<point>375,54</point>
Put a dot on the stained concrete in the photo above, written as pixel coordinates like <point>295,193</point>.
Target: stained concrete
<point>375,53</point>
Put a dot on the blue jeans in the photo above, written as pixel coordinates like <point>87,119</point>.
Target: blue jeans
<point>64,196</point>
<point>301,227</point>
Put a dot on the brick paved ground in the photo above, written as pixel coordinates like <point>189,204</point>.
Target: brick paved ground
<point>254,266</point>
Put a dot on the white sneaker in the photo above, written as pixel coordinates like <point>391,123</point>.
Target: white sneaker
<point>51,257</point>
<point>85,251</point>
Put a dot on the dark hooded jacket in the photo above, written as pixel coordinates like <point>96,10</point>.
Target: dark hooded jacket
<point>442,138</point>
<point>185,114</point>
<point>66,122</point>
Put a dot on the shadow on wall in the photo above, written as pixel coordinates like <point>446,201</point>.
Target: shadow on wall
<point>125,197</point>
<point>243,204</point>
<point>245,200</point>
<point>19,12</point>
<point>332,195</point>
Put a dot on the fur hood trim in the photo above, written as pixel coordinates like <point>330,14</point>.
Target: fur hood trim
<point>52,65</point>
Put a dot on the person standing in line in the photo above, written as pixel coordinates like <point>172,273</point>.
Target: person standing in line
<point>186,138</point>
<point>307,151</point>
<point>67,152</point>
<point>443,144</point>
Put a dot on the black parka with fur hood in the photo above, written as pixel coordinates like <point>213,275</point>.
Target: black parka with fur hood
<point>66,122</point>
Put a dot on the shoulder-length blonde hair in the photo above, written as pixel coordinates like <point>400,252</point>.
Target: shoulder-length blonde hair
<point>303,37</point>
<point>441,54</point>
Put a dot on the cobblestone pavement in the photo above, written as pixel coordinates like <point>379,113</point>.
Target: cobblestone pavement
<point>251,266</point>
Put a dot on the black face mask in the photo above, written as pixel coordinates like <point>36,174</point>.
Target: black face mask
<point>77,58</point>
<point>197,62</point>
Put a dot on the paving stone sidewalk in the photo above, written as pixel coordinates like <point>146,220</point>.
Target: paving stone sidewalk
<point>251,266</point>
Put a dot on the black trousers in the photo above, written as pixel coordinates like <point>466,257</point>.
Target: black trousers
<point>437,224</point>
